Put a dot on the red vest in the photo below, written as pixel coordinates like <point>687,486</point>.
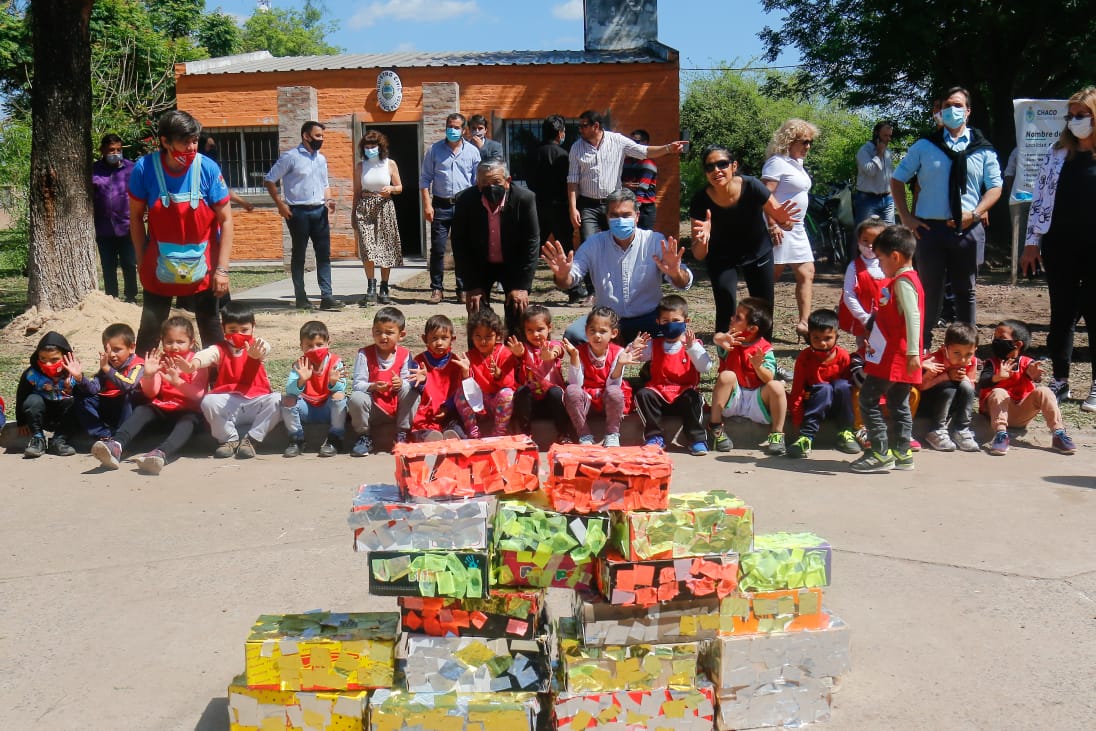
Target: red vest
<point>539,376</point>
<point>1017,384</point>
<point>867,292</point>
<point>671,373</point>
<point>386,401</point>
<point>810,370</point>
<point>438,391</point>
<point>738,360</point>
<point>594,376</point>
<point>891,322</point>
<point>317,389</point>
<point>110,389</point>
<point>240,374</point>
<point>170,398</point>
<point>485,377</point>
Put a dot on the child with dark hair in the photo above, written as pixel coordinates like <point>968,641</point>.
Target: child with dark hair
<point>820,387</point>
<point>1008,392</point>
<point>315,392</point>
<point>948,390</point>
<point>677,359</point>
<point>436,377</point>
<point>106,400</point>
<point>863,278</point>
<point>540,374</point>
<point>746,385</point>
<point>595,378</point>
<point>382,382</point>
<point>44,400</point>
<point>174,398</point>
<point>491,381</point>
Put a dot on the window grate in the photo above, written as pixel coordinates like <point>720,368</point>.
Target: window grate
<point>246,154</point>
<point>522,140</point>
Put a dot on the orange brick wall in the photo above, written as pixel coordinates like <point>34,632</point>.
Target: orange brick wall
<point>638,95</point>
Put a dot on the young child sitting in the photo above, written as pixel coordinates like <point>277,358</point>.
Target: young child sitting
<point>44,400</point>
<point>489,388</point>
<point>174,398</point>
<point>105,401</point>
<point>745,386</point>
<point>863,278</point>
<point>677,359</point>
<point>315,392</point>
<point>893,359</point>
<point>820,387</point>
<point>382,387</point>
<point>540,374</point>
<point>595,377</point>
<point>947,390</point>
<point>1008,393</point>
<point>241,394</point>
<point>436,377</point>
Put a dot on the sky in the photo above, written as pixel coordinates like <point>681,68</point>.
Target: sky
<point>707,33</point>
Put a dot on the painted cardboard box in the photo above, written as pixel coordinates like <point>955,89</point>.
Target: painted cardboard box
<point>537,546</point>
<point>693,524</point>
<point>791,610</point>
<point>589,669</point>
<point>383,521</point>
<point>786,561</point>
<point>781,704</point>
<point>590,479</point>
<point>321,651</point>
<point>398,710</point>
<point>645,583</point>
<point>250,709</point>
<point>456,574</point>
<point>460,468</point>
<point>513,614</point>
<point>658,709</point>
<point>472,664</point>
<point>687,620</point>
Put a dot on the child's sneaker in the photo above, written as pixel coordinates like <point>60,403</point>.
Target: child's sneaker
<point>1063,443</point>
<point>774,445</point>
<point>872,461</point>
<point>36,447</point>
<point>800,448</point>
<point>59,447</point>
<point>586,439</point>
<point>965,441</point>
<point>329,448</point>
<point>915,445</point>
<point>718,439</point>
<point>698,449</point>
<point>999,446</point>
<point>363,446</point>
<point>903,461</point>
<point>294,449</point>
<point>612,440</point>
<point>939,440</point>
<point>655,442</point>
<point>246,450</point>
<point>108,452</point>
<point>151,463</point>
<point>226,450</point>
<point>847,442</point>
<point>401,437</point>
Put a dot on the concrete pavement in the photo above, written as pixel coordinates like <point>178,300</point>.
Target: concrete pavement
<point>348,284</point>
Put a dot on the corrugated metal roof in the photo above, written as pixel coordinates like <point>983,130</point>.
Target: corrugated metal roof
<point>262,61</point>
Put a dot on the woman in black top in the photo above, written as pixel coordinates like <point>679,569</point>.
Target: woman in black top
<point>730,232</point>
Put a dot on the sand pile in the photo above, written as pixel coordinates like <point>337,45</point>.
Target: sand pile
<point>82,324</point>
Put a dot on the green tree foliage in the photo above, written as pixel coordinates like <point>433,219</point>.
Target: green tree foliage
<point>290,32</point>
<point>15,143</point>
<point>219,35</point>
<point>175,18</point>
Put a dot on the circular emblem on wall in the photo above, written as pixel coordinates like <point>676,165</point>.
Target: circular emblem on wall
<point>389,90</point>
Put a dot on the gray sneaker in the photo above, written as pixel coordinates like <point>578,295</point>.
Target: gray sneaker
<point>1089,403</point>
<point>965,441</point>
<point>940,441</point>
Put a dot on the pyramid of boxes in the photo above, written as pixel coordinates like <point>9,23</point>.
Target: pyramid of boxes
<point>596,600</point>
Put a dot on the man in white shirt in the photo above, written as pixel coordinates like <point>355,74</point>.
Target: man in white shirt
<point>874,165</point>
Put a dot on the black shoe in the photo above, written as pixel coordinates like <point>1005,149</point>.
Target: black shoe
<point>328,448</point>
<point>303,305</point>
<point>330,305</point>
<point>782,375</point>
<point>383,296</point>
<point>61,448</point>
<point>35,448</point>
<point>370,294</point>
<point>294,449</point>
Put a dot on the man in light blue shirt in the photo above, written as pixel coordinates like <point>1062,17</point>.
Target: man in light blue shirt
<point>627,265</point>
<point>305,204</point>
<point>448,168</point>
<point>960,179</point>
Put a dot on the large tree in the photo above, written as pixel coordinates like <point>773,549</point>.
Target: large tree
<point>290,32</point>
<point>896,55</point>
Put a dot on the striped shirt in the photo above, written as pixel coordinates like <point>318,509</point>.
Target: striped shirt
<point>597,169</point>
<point>645,174</point>
<point>303,174</point>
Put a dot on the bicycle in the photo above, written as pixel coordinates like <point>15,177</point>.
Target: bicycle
<point>829,240</point>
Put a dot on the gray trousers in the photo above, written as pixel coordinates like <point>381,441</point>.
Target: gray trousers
<point>363,413</point>
<point>898,403</point>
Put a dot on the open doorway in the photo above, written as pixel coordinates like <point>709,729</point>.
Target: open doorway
<point>404,148</point>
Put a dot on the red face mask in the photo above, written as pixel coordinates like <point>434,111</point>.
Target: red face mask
<point>316,356</point>
<point>51,369</point>
<point>239,340</point>
<point>184,158</point>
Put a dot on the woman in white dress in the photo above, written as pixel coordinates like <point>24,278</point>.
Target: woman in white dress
<point>784,175</point>
<point>376,180</point>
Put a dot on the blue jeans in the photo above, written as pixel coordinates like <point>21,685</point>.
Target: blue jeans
<point>310,222</point>
<point>439,239</point>
<point>101,417</point>
<point>297,415</point>
<point>865,205</point>
<point>898,403</point>
<point>115,251</point>
<point>827,399</point>
<point>629,328</point>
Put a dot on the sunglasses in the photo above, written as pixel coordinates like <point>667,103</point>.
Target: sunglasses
<point>711,167</point>
<point>1071,117</point>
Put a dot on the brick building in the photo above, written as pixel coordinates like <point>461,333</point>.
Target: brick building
<point>254,105</point>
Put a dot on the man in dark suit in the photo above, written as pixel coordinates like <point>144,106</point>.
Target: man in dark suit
<point>497,240</point>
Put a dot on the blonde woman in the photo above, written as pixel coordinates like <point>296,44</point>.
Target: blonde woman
<point>785,176</point>
<point>376,180</point>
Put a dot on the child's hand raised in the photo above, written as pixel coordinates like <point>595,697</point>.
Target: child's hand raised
<point>690,337</point>
<point>726,340</point>
<point>257,349</point>
<point>551,353</point>
<point>640,344</point>
<point>417,374</point>
<point>182,364</point>
<point>465,364</point>
<point>516,346</point>
<point>496,371</point>
<point>302,368</point>
<point>571,351</point>
<point>757,359</point>
<point>153,363</point>
<point>73,365</point>
<point>104,363</point>
<point>932,367</point>
<point>1035,370</point>
<point>171,375</point>
<point>396,383</point>
<point>1004,370</point>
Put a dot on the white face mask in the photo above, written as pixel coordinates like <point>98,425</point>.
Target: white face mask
<point>866,251</point>
<point>1081,128</point>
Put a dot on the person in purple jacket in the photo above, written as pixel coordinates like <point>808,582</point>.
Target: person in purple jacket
<point>110,184</point>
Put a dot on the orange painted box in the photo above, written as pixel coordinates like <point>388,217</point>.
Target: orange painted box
<point>460,468</point>
<point>589,479</point>
<point>791,610</point>
<point>514,614</point>
<point>645,583</point>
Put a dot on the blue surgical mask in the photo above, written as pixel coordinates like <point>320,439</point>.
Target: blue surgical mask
<point>114,159</point>
<point>452,134</point>
<point>953,117</point>
<point>622,228</point>
<point>371,152</point>
<point>672,330</point>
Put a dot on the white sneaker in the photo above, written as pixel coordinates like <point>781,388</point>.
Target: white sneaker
<point>965,441</point>
<point>612,440</point>
<point>1090,402</point>
<point>940,441</point>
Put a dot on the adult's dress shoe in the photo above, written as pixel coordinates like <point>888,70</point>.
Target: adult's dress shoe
<point>330,305</point>
<point>460,298</point>
<point>435,297</point>
<point>303,305</point>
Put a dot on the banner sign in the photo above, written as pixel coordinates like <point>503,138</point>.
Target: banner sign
<point>1039,124</point>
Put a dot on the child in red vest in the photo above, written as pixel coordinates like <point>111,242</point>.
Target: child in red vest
<point>315,392</point>
<point>174,398</point>
<point>863,278</point>
<point>491,381</point>
<point>595,377</point>
<point>436,377</point>
<point>1008,393</point>
<point>677,359</point>
<point>241,394</point>
<point>106,399</point>
<point>948,390</point>
<point>893,354</point>
<point>820,387</point>
<point>745,386</point>
<point>540,374</point>
<point>382,382</point>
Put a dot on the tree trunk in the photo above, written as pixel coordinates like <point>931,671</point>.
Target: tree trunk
<point>62,232</point>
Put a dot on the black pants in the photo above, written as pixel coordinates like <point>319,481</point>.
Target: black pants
<point>1071,286</point>
<point>183,425</point>
<point>948,399</point>
<point>40,415</point>
<point>555,220</point>
<point>759,282</point>
<point>115,251</point>
<point>526,408</point>
<point>100,417</point>
<point>945,256</point>
<point>310,222</point>
<point>648,212</point>
<point>156,309</point>
<point>689,407</point>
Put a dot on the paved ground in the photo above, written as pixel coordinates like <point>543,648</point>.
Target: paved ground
<point>970,583</point>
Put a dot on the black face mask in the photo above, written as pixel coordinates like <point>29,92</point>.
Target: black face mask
<point>315,144</point>
<point>1002,347</point>
<point>494,194</point>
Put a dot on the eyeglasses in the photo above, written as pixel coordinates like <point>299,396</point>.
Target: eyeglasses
<point>711,167</point>
<point>1071,117</point>
<point>805,143</point>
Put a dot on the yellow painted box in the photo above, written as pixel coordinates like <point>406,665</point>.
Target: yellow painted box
<point>322,651</point>
<point>250,709</point>
<point>397,710</point>
<point>627,667</point>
